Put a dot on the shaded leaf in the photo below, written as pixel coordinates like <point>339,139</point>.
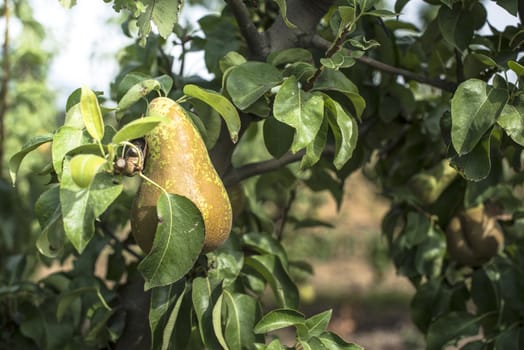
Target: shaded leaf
<point>16,159</point>
<point>331,341</point>
<point>475,165</point>
<point>283,13</point>
<point>81,206</point>
<point>270,267</point>
<point>47,209</point>
<point>204,296</point>
<point>242,314</point>
<point>451,327</point>
<point>278,137</point>
<point>179,238</point>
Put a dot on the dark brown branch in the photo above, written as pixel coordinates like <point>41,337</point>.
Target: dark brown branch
<point>446,85</point>
<point>256,41</point>
<point>5,82</point>
<point>267,166</point>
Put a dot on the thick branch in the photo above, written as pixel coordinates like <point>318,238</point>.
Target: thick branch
<point>256,41</point>
<point>4,84</point>
<point>446,85</point>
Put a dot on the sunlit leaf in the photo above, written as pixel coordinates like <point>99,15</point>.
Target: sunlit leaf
<point>511,119</point>
<point>474,109</point>
<point>277,319</point>
<point>91,113</point>
<point>137,92</point>
<point>247,82</point>
<point>137,128</point>
<point>84,168</point>
<point>163,13</point>
<point>219,103</point>
<point>299,109</point>
<point>345,131</point>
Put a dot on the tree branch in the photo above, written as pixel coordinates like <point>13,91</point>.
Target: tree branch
<point>4,84</point>
<point>257,168</point>
<point>321,43</point>
<point>256,41</point>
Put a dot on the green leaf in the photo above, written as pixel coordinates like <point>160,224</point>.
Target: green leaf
<point>516,67</point>
<point>242,314</point>
<point>247,82</point>
<point>137,128</point>
<point>274,345</point>
<point>474,109</point>
<point>511,119</point>
<point>451,327</point>
<point>219,103</point>
<point>315,148</point>
<point>137,92</point>
<point>179,238</point>
<point>16,159</point>
<point>228,260</point>
<point>67,3</point>
<point>66,139</point>
<point>381,13</point>
<point>278,137</point>
<point>230,60</point>
<point>457,26</point>
<point>277,319</point>
<point>345,131</point>
<point>73,117</point>
<point>511,338</point>
<point>84,168</point>
<point>204,297</point>
<point>318,323</point>
<point>264,243</point>
<point>81,206</point>
<point>163,13</point>
<point>312,343</point>
<point>217,322</point>
<point>475,165</point>
<point>49,214</point>
<point>163,310</point>
<point>270,267</point>
<point>67,298</point>
<point>166,83</point>
<point>91,114</point>
<point>331,80</point>
<point>292,55</point>
<point>331,341</point>
<point>299,109</point>
<point>283,13</point>
<point>337,61</point>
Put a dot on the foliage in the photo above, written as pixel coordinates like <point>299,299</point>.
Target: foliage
<point>432,114</point>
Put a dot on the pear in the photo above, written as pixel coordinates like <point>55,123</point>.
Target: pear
<point>473,237</point>
<point>178,161</point>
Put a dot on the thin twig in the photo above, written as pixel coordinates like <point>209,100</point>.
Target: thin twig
<point>4,83</point>
<point>446,85</point>
<point>256,41</point>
